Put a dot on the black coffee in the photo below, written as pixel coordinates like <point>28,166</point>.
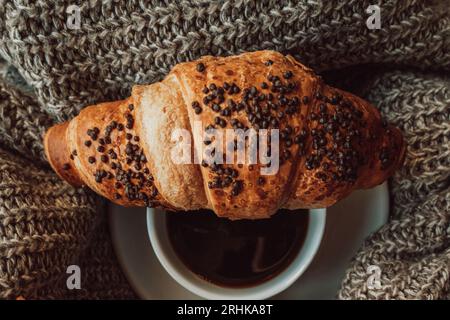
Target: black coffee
<point>237,253</point>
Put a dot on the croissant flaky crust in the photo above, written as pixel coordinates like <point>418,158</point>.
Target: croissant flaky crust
<point>331,142</point>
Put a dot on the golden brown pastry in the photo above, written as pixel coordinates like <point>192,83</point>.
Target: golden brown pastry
<point>331,142</point>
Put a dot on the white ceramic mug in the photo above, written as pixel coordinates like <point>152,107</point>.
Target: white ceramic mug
<point>157,230</point>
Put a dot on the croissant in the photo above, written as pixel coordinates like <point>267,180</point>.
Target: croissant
<point>330,142</point>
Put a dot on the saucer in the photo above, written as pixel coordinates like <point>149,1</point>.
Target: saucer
<point>348,223</point>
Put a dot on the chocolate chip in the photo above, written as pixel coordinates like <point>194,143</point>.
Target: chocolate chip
<point>236,187</point>
<point>195,104</point>
<point>198,110</point>
<point>66,166</point>
<point>112,154</point>
<point>261,181</point>
<point>288,74</point>
<point>226,181</point>
<point>225,112</point>
<point>216,107</point>
<point>91,160</point>
<point>334,100</point>
<point>295,101</point>
<point>200,67</point>
<point>235,89</point>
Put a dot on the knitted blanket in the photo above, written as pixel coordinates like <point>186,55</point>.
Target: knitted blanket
<point>53,65</point>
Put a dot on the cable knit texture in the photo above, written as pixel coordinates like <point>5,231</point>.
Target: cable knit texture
<point>51,71</point>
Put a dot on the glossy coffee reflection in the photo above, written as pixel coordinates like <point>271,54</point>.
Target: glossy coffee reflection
<point>237,253</point>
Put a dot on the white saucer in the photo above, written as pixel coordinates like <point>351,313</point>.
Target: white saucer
<point>348,223</point>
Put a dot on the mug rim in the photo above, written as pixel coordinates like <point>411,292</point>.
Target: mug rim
<point>194,283</point>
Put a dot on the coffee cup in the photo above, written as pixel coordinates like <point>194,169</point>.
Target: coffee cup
<point>162,246</point>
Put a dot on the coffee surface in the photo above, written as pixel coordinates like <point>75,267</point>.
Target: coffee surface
<point>237,253</point>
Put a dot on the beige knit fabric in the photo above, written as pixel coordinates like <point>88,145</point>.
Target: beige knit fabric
<point>413,249</point>
<point>45,225</point>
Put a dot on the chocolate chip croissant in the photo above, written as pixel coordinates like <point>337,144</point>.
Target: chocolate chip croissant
<point>330,142</point>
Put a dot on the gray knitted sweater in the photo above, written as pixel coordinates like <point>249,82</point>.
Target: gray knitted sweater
<point>50,70</point>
